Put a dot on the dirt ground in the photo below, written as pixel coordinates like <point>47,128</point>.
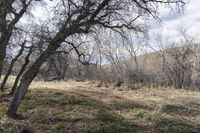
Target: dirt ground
<point>85,107</point>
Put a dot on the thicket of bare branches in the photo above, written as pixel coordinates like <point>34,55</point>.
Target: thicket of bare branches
<point>79,39</point>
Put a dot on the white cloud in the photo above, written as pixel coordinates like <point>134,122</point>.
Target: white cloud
<point>171,20</point>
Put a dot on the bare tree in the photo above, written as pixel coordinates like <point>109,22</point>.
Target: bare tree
<point>82,18</point>
<point>11,11</point>
<point>11,65</point>
<point>23,68</point>
<point>177,65</point>
<point>178,60</point>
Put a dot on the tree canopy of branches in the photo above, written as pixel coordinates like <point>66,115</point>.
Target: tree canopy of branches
<point>11,11</point>
<point>71,19</point>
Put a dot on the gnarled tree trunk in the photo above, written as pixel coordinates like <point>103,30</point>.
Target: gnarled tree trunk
<point>22,70</point>
<point>30,74</point>
<point>27,78</point>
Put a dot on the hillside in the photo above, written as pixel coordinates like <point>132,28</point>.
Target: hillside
<point>152,60</point>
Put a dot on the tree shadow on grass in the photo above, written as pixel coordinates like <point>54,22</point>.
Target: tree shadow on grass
<point>57,111</point>
<point>181,110</point>
<point>165,125</point>
<point>116,102</point>
<point>107,122</point>
<point>124,104</point>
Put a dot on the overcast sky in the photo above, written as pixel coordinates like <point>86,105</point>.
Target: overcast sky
<point>171,20</point>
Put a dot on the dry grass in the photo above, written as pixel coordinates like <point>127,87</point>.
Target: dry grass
<point>82,107</point>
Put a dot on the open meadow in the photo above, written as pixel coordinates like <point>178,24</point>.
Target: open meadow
<point>99,66</point>
<point>78,107</point>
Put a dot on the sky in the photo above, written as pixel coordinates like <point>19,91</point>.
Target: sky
<point>171,21</point>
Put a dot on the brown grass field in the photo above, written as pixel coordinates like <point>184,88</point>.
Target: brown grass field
<point>82,107</point>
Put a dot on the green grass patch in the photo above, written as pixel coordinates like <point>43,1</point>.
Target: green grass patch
<point>125,104</point>
<point>173,126</point>
<point>1,130</point>
<point>109,122</point>
<point>60,126</point>
<point>71,112</point>
<point>164,124</point>
<point>180,110</point>
<point>28,104</point>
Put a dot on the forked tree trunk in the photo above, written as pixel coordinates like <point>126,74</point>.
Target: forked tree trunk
<point>30,74</point>
<point>28,77</point>
<point>53,45</point>
<point>23,68</point>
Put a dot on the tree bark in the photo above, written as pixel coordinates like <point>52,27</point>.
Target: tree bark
<point>2,57</point>
<point>11,66</point>
<point>7,29</point>
<point>30,74</point>
<point>3,46</point>
<point>27,78</point>
<point>53,45</point>
<point>22,70</point>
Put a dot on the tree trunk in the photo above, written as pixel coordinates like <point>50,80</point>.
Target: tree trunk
<point>53,45</point>
<point>4,40</point>
<point>11,66</point>
<point>56,68</point>
<point>2,56</point>
<point>64,71</point>
<point>21,71</point>
<point>28,77</point>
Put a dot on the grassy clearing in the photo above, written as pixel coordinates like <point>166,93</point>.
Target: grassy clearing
<point>81,107</point>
